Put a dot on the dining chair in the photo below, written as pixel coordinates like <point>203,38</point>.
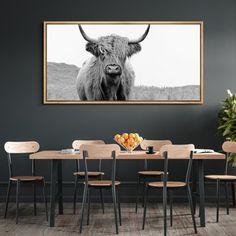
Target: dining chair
<point>80,175</point>
<point>146,173</point>
<point>169,152</point>
<point>20,148</point>
<point>228,147</point>
<point>101,151</point>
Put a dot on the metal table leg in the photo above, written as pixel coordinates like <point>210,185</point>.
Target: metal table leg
<point>54,164</point>
<point>194,185</point>
<point>201,192</point>
<point>59,182</point>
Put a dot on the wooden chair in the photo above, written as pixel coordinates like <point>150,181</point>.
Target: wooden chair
<point>228,147</point>
<point>144,174</point>
<point>171,152</point>
<point>107,151</point>
<point>80,175</point>
<point>23,148</point>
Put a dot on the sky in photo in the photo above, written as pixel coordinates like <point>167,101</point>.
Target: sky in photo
<point>170,54</point>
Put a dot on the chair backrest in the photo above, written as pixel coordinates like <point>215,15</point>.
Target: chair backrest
<point>184,151</point>
<point>100,151</point>
<point>77,143</point>
<point>156,144</point>
<point>181,151</point>
<point>21,147</point>
<point>228,147</point>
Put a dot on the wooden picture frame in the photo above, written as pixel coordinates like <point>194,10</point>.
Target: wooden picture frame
<point>60,37</point>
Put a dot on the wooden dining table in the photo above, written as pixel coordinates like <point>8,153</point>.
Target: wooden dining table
<point>56,157</point>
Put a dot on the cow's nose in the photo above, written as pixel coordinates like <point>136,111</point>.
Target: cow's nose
<point>113,69</point>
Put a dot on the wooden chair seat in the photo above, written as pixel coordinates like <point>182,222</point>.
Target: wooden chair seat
<point>170,184</point>
<point>102,183</point>
<point>150,172</point>
<point>90,173</point>
<point>26,178</point>
<point>221,177</point>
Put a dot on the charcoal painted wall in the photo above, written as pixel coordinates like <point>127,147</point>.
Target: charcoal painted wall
<point>24,117</point>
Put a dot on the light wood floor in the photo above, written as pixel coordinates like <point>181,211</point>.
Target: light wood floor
<point>103,225</point>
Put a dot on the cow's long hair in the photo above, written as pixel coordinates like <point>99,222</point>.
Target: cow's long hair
<point>96,84</point>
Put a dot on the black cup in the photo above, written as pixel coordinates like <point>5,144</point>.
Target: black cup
<point>150,149</point>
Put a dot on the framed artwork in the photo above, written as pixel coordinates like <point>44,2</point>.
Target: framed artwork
<point>123,62</point>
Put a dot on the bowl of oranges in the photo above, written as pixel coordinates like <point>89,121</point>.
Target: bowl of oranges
<point>128,141</point>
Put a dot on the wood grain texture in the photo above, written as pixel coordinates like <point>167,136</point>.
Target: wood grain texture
<point>100,151</point>
<point>221,177</point>
<point>77,143</point>
<point>103,224</point>
<point>157,144</point>
<point>21,147</point>
<point>229,146</point>
<point>177,151</point>
<point>169,184</point>
<point>102,183</point>
<point>135,155</point>
<point>90,173</point>
<point>150,172</point>
<point>27,178</point>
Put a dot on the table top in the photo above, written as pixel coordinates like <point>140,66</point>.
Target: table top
<point>123,155</point>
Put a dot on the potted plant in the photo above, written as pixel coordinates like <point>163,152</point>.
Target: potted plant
<point>227,121</point>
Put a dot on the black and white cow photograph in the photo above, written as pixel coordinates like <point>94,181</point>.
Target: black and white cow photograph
<point>123,62</point>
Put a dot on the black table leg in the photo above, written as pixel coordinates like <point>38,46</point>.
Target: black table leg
<point>59,182</point>
<point>201,192</point>
<point>54,164</point>
<point>194,186</point>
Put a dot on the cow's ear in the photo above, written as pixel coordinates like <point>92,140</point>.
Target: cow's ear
<point>133,48</point>
<point>93,48</point>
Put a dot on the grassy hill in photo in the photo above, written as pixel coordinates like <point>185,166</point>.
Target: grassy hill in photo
<point>61,85</point>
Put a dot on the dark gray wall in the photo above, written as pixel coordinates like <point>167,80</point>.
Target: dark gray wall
<point>24,117</point>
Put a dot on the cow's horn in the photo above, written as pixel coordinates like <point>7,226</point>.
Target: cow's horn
<point>85,36</point>
<point>142,37</point>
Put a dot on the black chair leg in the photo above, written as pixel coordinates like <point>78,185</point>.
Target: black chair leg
<point>137,194</point>
<point>218,199</point>
<point>17,199</point>
<point>233,193</point>
<point>144,184</point>
<point>191,208</point>
<point>226,198</point>
<point>89,200</point>
<point>82,209</point>
<point>164,209</point>
<point>118,201</point>
<point>171,206</point>
<point>7,198</point>
<point>114,205</point>
<point>45,199</point>
<point>34,193</point>
<point>75,194</point>
<point>145,205</point>
<point>102,201</point>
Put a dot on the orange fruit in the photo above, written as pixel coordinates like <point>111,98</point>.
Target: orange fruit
<point>125,136</point>
<point>121,140</point>
<point>131,135</point>
<point>117,136</point>
<point>136,139</point>
<point>131,141</point>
